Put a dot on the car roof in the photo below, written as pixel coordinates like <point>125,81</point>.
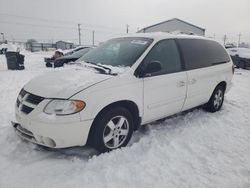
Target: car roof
<point>164,35</point>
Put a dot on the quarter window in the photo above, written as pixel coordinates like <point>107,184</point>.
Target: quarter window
<point>199,53</point>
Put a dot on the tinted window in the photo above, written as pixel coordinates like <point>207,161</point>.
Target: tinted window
<point>199,53</point>
<point>167,54</point>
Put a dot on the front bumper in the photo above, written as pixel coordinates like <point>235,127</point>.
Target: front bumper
<point>28,136</point>
<point>54,135</point>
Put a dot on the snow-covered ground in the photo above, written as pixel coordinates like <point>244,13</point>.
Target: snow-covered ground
<point>196,149</point>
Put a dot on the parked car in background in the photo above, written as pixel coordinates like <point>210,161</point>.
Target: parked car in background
<point>59,62</point>
<point>240,57</point>
<point>72,51</point>
<point>3,48</point>
<point>50,60</point>
<point>127,82</point>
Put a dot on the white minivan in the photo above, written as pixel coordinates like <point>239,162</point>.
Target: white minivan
<point>122,84</point>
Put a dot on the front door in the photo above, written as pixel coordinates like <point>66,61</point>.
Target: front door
<point>164,91</point>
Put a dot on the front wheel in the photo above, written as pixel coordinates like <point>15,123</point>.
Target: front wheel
<point>112,129</point>
<point>216,100</point>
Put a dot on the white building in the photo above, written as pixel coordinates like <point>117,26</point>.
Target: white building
<point>63,45</point>
<point>174,25</point>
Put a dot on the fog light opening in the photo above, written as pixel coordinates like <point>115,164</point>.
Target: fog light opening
<point>49,142</point>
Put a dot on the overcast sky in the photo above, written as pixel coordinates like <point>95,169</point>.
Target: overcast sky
<point>51,20</point>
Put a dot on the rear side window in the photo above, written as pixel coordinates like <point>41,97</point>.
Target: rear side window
<point>199,53</point>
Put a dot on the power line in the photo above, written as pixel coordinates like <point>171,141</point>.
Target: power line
<point>36,18</point>
<point>36,25</point>
<point>60,21</point>
<point>57,27</point>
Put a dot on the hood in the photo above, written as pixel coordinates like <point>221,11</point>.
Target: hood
<point>64,83</point>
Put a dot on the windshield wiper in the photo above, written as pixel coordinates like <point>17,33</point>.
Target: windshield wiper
<point>107,68</point>
<point>93,65</point>
<point>101,68</point>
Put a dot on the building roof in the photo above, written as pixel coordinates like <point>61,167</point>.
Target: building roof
<point>68,42</point>
<point>169,21</point>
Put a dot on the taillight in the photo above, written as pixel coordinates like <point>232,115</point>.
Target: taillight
<point>233,68</point>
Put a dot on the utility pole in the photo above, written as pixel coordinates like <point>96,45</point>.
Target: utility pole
<point>239,40</point>
<point>2,36</point>
<point>127,28</point>
<point>79,33</point>
<point>93,38</point>
<point>225,39</point>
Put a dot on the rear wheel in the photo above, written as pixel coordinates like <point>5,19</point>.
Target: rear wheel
<point>215,102</point>
<point>112,129</point>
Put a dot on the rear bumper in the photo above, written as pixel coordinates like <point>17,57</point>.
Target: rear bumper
<point>54,136</point>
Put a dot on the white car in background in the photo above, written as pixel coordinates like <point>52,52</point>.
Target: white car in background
<point>72,51</point>
<point>127,82</point>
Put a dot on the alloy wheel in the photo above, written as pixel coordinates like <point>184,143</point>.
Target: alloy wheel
<point>218,98</point>
<point>116,132</point>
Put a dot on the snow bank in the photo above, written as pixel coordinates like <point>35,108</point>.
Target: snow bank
<point>194,149</point>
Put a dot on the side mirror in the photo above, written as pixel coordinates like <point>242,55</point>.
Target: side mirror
<point>149,69</point>
<point>152,67</point>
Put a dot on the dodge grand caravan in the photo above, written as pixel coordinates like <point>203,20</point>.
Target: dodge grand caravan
<point>124,83</point>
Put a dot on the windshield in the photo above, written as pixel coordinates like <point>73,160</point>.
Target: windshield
<point>118,52</point>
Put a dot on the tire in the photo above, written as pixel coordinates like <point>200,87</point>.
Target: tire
<point>112,129</point>
<point>216,100</point>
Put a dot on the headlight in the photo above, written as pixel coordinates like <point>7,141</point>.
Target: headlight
<point>64,107</point>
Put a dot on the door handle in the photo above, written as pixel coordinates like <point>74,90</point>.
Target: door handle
<point>192,81</point>
<point>180,83</point>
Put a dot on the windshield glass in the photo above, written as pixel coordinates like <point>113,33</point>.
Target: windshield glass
<point>118,52</point>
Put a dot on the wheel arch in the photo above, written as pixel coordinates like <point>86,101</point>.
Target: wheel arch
<point>129,105</point>
<point>223,84</point>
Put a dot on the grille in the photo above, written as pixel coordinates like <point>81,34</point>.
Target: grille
<point>34,99</point>
<point>22,93</point>
<point>17,103</point>
<point>26,109</point>
<point>26,101</point>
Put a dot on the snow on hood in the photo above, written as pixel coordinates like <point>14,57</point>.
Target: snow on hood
<point>64,83</point>
<point>114,69</point>
<point>117,69</point>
